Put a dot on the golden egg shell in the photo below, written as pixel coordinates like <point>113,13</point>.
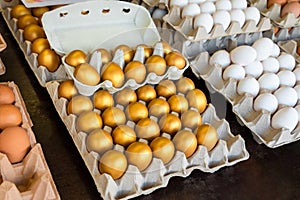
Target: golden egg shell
<point>105,55</point>
<point>191,119</point>
<point>114,163</point>
<point>19,10</point>
<point>79,104</point>
<point>127,51</point>
<point>10,115</point>
<point>88,121</point>
<point>125,96</point>
<point>158,107</point>
<point>123,135</point>
<point>87,74</point>
<point>7,95</point>
<point>186,142</point>
<point>49,59</point>
<point>184,84</point>
<point>147,129</point>
<point>175,59</point>
<point>135,70</point>
<point>113,72</point>
<point>147,50</point>
<point>67,89</point>
<point>170,123</point>
<point>207,136</point>
<point>166,47</point>
<point>39,11</point>
<point>197,99</point>
<point>99,140</point>
<point>136,111</point>
<point>166,88</point>
<point>139,154</point>
<point>25,20</point>
<point>103,99</point>
<point>33,31</point>
<point>113,116</point>
<point>39,44</point>
<point>156,64</point>
<point>76,57</point>
<point>163,148</point>
<point>146,93</point>
<point>178,103</point>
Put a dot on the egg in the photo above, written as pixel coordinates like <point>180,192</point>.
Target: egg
<point>190,119</point>
<point>146,93</point>
<point>204,20</point>
<point>243,55</point>
<point>79,104</point>
<point>123,135</point>
<point>127,51</point>
<point>15,143</point>
<point>125,96</point>
<point>32,32</point>
<point>165,88</point>
<point>184,84</point>
<point>76,57</point>
<point>135,70</point>
<point>166,47</point>
<point>222,17</point>
<point>286,117</point>
<point>49,59</point>
<point>114,163</point>
<point>102,99</point>
<point>269,81</point>
<point>207,136</point>
<point>87,74</point>
<point>113,116</point>
<point>223,5</point>
<point>67,89</point>
<point>39,44</point>
<point>297,73</point>
<point>287,78</point>
<point>147,128</point>
<point>139,154</point>
<point>105,56</point>
<point>270,64</point>
<point>178,103</point>
<point>163,148</point>
<point>158,107</point>
<point>25,20</point>
<point>175,59</point>
<point>237,15</point>
<point>248,85</point>
<point>170,123</point>
<point>297,88</point>
<point>270,3</point>
<point>286,61</point>
<point>7,95</point>
<point>111,71</point>
<point>265,102</point>
<point>234,71</point>
<point>197,99</point>
<point>220,58</point>
<point>19,10</point>
<point>39,11</point>
<point>156,64</point>
<point>263,48</point>
<point>88,121</point>
<point>10,115</point>
<point>99,141</point>
<point>252,13</point>
<point>186,142</point>
<point>254,69</point>
<point>291,7</point>
<point>286,96</point>
<point>136,111</point>
<point>147,49</point>
<point>239,4</point>
<point>159,13</point>
<point>297,108</point>
<point>207,7</point>
<point>190,10</point>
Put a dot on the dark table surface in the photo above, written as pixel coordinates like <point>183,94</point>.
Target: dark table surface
<point>267,174</point>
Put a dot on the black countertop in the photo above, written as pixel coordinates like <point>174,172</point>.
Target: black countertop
<point>267,174</point>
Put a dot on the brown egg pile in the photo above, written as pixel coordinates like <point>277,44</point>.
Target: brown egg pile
<point>152,121</point>
<point>14,140</point>
<point>287,6</point>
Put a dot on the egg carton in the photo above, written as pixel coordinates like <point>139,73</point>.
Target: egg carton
<point>2,67</point>
<point>4,4</point>
<point>283,34</point>
<point>3,44</point>
<point>229,151</point>
<point>291,48</point>
<point>273,13</point>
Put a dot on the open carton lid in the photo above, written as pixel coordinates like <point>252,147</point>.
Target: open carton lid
<point>98,24</point>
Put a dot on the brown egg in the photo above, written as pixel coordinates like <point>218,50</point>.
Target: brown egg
<point>166,46</point>
<point>175,59</point>
<point>147,129</point>
<point>156,64</point>
<point>207,136</point>
<point>186,142</point>
<point>113,72</point>
<point>147,50</point>
<point>7,95</point>
<point>158,107</point>
<point>15,143</point>
<point>166,88</point>
<point>197,99</point>
<point>114,163</point>
<point>79,104</point>
<point>103,99</point>
<point>88,121</point>
<point>128,52</point>
<point>170,123</point>
<point>39,44</point>
<point>191,119</point>
<point>67,89</point>
<point>105,56</point>
<point>10,115</point>
<point>291,7</point>
<point>113,116</point>
<point>123,135</point>
<point>39,11</point>
<point>163,148</point>
<point>76,57</point>
<point>270,3</point>
<point>178,103</point>
<point>184,84</point>
<point>87,74</point>
<point>49,59</point>
<point>125,96</point>
<point>139,154</point>
<point>99,140</point>
<point>136,111</point>
<point>146,93</point>
<point>32,32</point>
<point>25,20</point>
<point>19,10</point>
<point>135,70</point>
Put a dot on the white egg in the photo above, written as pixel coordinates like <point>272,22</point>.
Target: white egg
<point>297,73</point>
<point>269,81</point>
<point>190,10</point>
<point>263,47</point>
<point>286,117</point>
<point>267,102</point>
<point>196,1</point>
<point>205,20</point>
<point>287,78</point>
<point>238,15</point>
<point>286,96</point>
<point>270,64</point>
<point>254,69</point>
<point>248,85</point>
<point>223,5</point>
<point>297,88</point>
<point>243,55</point>
<point>234,71</point>
<point>275,51</point>
<point>220,57</point>
<point>208,7</point>
<point>180,3</point>
<point>239,4</point>
<point>286,61</point>
<point>159,13</point>
<point>222,17</point>
<point>252,13</point>
<point>297,108</point>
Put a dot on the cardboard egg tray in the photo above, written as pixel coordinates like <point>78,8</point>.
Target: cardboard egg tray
<point>229,150</point>
<point>290,47</point>
<point>283,34</point>
<point>30,178</point>
<point>2,47</point>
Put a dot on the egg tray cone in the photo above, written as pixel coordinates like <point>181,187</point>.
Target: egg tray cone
<point>2,67</point>
<point>4,4</point>
<point>3,44</point>
<point>229,151</point>
<point>283,34</point>
<point>290,47</point>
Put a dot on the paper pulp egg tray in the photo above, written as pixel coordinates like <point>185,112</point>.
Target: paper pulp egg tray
<point>2,47</point>
<point>229,150</point>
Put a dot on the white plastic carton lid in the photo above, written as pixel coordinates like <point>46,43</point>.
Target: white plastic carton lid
<point>98,24</point>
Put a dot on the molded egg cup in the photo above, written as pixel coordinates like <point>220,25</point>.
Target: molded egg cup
<point>2,67</point>
<point>291,48</point>
<point>229,150</point>
<point>3,44</point>
<point>283,34</point>
<point>5,4</point>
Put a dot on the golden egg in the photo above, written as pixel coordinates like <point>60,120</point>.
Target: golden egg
<point>113,116</point>
<point>39,11</point>
<point>207,136</point>
<point>156,64</point>
<point>186,142</point>
<point>39,44</point>
<point>146,93</point>
<point>166,47</point>
<point>139,154</point>
<point>67,89</point>
<point>79,104</point>
<point>113,72</point>
<point>123,135</point>
<point>135,70</point>
<point>178,103</point>
<point>125,96</point>
<point>33,31</point>
<point>105,56</point>
<point>147,129</point>
<point>114,163</point>
<point>166,88</point>
<point>87,74</point>
<point>175,59</point>
<point>103,99</point>
<point>191,119</point>
<point>25,20</point>
<point>76,57</point>
<point>197,99</point>
<point>184,84</point>
<point>49,59</point>
<point>88,121</point>
<point>19,10</point>
<point>158,107</point>
<point>127,51</point>
<point>163,148</point>
<point>170,123</point>
<point>147,50</point>
<point>136,111</point>
<point>99,140</point>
